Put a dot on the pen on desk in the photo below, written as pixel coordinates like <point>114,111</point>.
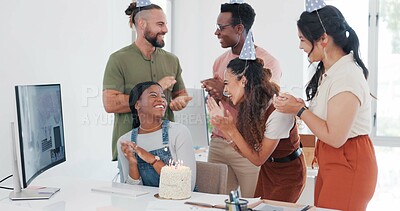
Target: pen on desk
<point>306,208</point>
<point>231,196</point>
<point>235,200</point>
<point>200,204</point>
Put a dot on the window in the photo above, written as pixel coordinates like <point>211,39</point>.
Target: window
<point>387,122</point>
<point>377,23</point>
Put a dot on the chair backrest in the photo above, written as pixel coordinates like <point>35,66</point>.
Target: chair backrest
<point>211,177</point>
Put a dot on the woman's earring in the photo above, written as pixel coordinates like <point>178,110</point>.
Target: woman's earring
<point>325,55</point>
<point>244,81</point>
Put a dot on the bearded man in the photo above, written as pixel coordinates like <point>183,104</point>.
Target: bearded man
<point>143,60</point>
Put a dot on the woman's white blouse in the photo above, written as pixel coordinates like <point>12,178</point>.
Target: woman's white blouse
<point>345,76</point>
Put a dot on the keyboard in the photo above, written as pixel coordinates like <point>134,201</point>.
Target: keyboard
<point>126,191</point>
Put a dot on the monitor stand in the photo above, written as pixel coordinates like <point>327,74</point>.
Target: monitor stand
<point>30,193</point>
<point>33,193</point>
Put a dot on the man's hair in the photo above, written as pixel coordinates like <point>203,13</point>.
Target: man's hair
<point>241,14</point>
<point>133,10</point>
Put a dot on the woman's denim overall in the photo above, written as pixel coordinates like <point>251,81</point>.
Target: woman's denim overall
<point>148,174</point>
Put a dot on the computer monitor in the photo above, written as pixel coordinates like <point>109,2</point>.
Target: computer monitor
<point>194,116</point>
<point>41,143</point>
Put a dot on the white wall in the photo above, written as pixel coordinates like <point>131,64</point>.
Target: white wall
<point>274,29</point>
<point>69,42</point>
<point>65,42</point>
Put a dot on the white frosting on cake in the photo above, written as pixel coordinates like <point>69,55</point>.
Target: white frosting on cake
<point>175,182</point>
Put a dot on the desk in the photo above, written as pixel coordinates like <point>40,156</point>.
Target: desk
<point>76,194</point>
<point>306,197</point>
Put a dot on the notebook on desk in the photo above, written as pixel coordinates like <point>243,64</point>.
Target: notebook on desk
<point>120,189</point>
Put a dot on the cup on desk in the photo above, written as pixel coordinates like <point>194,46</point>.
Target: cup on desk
<point>241,205</point>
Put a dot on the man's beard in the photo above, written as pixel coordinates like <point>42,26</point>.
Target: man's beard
<point>153,40</point>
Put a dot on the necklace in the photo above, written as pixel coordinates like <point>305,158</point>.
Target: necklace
<point>150,130</point>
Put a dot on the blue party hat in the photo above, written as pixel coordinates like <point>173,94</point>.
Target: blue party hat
<point>248,51</point>
<point>143,3</point>
<point>236,1</point>
<point>315,5</point>
<point>312,5</point>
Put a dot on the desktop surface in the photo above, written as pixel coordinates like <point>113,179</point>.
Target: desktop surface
<point>77,194</point>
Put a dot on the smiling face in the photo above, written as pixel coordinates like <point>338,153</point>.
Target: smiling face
<point>234,88</point>
<point>156,27</point>
<point>314,55</point>
<point>226,31</point>
<point>152,102</point>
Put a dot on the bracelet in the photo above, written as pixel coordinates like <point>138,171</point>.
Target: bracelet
<point>301,111</point>
<point>156,158</point>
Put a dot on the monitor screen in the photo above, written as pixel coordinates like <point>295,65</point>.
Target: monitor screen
<point>40,129</point>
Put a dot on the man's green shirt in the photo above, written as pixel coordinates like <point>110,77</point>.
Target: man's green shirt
<point>128,67</point>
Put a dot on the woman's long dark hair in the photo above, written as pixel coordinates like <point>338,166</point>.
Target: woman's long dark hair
<point>336,26</point>
<point>258,92</point>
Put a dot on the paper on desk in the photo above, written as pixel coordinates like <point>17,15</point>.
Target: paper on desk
<point>120,191</point>
<point>178,205</point>
<point>268,207</point>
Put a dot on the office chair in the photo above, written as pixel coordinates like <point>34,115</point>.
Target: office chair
<point>211,177</point>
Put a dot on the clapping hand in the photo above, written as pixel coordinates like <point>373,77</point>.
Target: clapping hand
<point>214,109</point>
<point>214,87</point>
<point>220,118</point>
<point>180,102</point>
<point>128,148</point>
<point>167,82</point>
<point>286,103</point>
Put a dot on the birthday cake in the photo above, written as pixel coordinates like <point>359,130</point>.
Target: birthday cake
<point>175,182</point>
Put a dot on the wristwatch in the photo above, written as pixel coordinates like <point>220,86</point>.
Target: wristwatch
<point>301,111</point>
<point>156,158</point>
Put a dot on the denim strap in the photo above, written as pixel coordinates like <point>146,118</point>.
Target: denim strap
<point>134,134</point>
<point>165,139</point>
<point>165,126</point>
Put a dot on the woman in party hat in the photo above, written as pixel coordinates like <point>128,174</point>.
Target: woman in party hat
<point>265,137</point>
<point>339,113</point>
